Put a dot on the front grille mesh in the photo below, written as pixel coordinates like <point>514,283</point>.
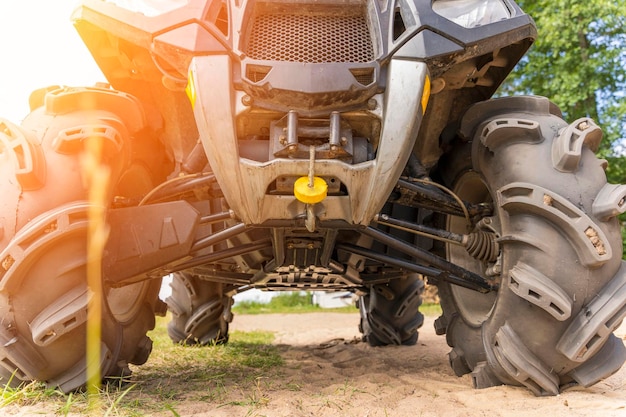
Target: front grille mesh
<point>314,38</point>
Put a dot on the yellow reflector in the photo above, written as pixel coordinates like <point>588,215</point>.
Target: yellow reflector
<point>191,91</point>
<point>425,94</point>
<point>310,195</point>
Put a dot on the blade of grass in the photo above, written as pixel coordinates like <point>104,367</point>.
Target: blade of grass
<point>117,401</point>
<point>96,175</point>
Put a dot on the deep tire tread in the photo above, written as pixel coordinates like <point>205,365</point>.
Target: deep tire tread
<point>585,236</point>
<point>200,312</point>
<point>522,365</point>
<point>390,315</point>
<point>563,287</point>
<point>44,315</point>
<point>534,287</point>
<point>596,321</point>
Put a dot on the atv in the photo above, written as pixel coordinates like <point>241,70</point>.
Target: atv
<point>290,145</point>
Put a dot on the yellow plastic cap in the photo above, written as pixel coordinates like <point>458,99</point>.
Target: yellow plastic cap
<point>310,195</point>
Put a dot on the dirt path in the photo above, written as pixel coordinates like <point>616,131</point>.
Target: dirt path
<point>333,375</point>
<point>328,372</point>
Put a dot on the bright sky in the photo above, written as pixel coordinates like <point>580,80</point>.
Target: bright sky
<point>39,47</point>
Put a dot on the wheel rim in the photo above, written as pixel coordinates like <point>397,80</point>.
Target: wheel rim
<point>123,303</point>
<point>474,307</point>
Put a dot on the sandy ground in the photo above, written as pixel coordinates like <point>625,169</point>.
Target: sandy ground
<point>338,376</point>
<point>327,372</point>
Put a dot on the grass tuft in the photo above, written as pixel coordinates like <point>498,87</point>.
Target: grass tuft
<point>243,372</point>
<point>237,373</point>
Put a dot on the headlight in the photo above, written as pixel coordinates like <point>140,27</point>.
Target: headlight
<point>472,13</point>
<point>149,7</point>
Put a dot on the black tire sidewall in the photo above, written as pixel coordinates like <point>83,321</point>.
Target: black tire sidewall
<point>525,162</point>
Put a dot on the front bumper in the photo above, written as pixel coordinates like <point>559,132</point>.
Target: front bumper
<point>244,182</point>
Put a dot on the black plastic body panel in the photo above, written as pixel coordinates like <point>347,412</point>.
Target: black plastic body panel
<point>149,56</point>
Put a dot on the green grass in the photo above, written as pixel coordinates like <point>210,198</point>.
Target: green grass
<point>29,394</point>
<point>431,310</point>
<point>295,302</point>
<point>221,374</point>
<point>237,373</point>
<point>287,303</point>
<point>241,373</point>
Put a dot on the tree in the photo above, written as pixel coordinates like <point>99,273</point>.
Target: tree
<point>579,62</point>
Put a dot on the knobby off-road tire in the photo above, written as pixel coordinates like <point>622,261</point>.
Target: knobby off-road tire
<point>200,311</point>
<point>43,234</point>
<point>390,312</point>
<point>562,287</point>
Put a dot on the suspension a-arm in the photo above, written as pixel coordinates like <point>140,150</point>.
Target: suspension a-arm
<point>420,195</point>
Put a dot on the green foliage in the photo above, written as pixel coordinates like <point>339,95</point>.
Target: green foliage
<point>579,62</point>
<point>296,302</point>
<point>290,302</point>
<point>431,310</point>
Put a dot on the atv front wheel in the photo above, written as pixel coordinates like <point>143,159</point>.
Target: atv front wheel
<point>43,236</point>
<point>390,312</point>
<point>200,311</point>
<point>562,284</point>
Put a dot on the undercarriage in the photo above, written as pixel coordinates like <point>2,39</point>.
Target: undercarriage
<point>308,145</point>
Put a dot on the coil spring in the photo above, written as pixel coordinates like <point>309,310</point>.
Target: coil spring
<point>482,246</point>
